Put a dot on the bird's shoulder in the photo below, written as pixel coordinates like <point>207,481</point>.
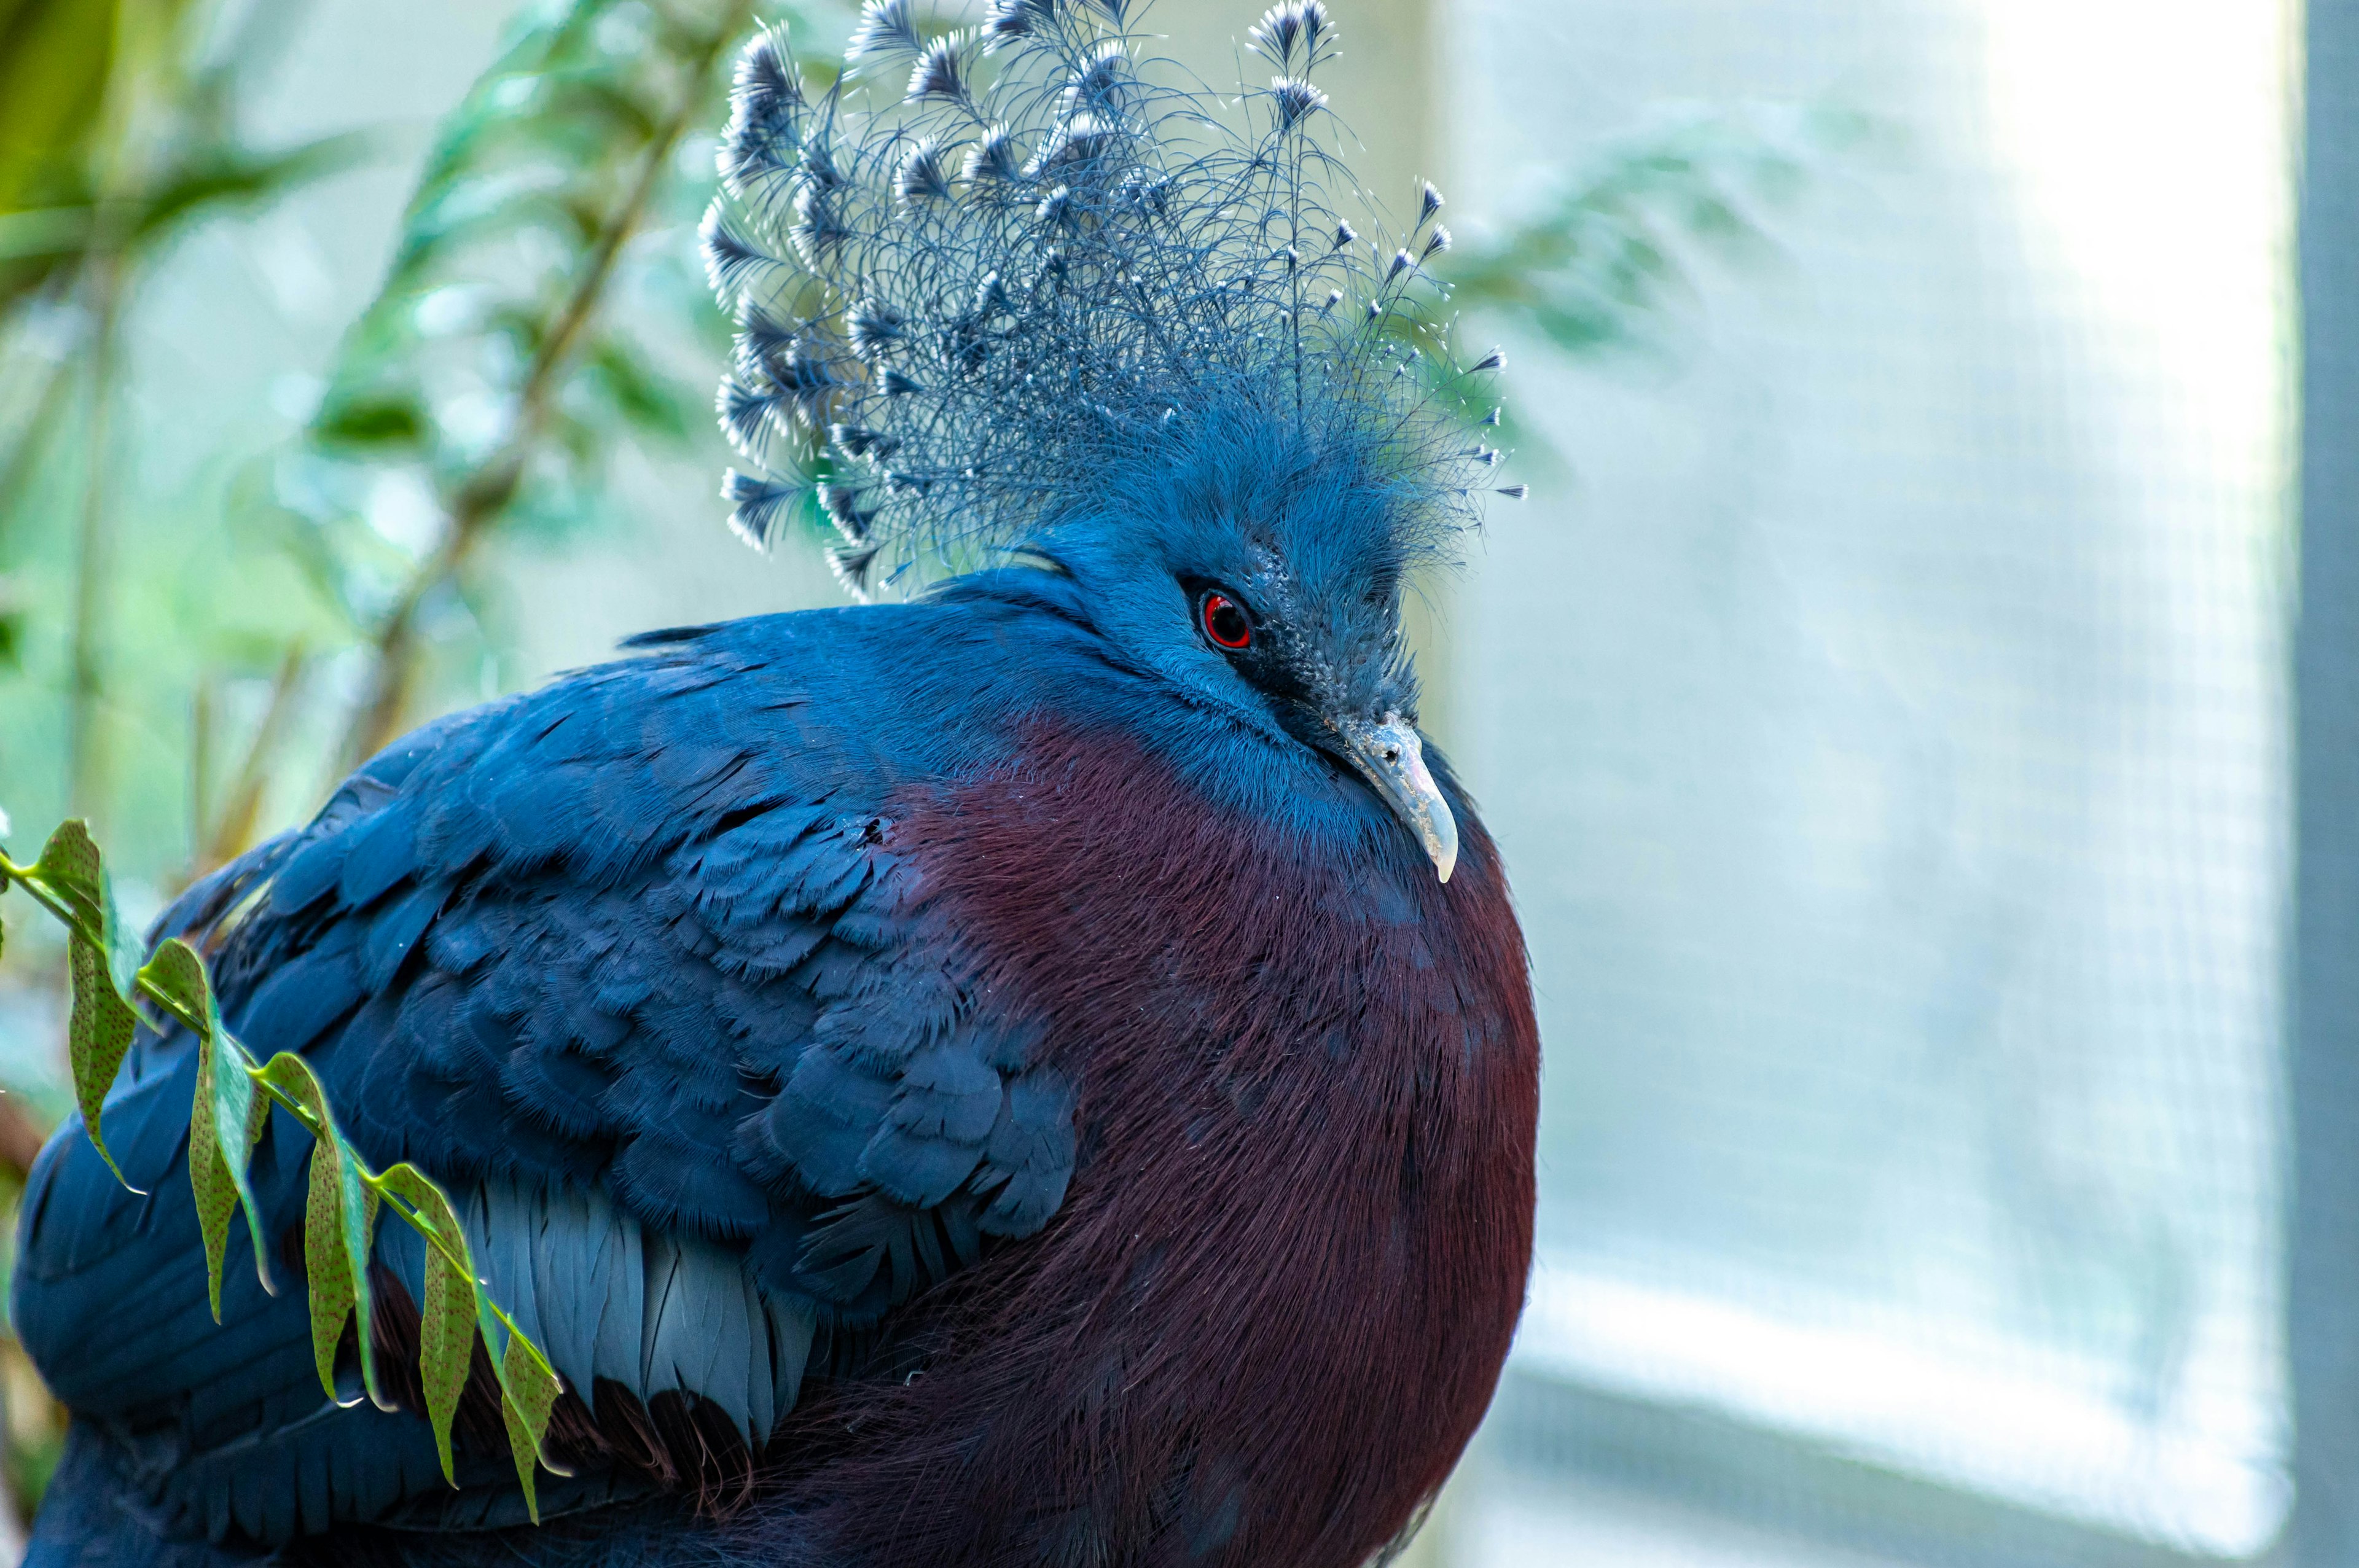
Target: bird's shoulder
<point>658,928</point>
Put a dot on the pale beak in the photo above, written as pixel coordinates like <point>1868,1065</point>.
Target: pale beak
<point>1391,759</point>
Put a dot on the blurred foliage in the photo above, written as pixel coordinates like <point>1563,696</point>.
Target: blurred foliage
<point>543,310</point>
<point>1595,263</point>
<point>1603,261</point>
<point>117,131</point>
<point>487,378</point>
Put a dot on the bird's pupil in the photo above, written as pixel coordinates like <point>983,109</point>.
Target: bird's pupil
<point>1226,622</point>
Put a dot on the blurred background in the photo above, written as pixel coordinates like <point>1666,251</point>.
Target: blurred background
<point>1887,699</point>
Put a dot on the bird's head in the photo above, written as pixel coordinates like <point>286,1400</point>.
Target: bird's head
<point>1040,298</point>
<point>1254,560</point>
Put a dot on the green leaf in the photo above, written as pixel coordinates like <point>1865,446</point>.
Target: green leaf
<point>446,1318</point>
<point>227,1120</point>
<point>639,393</point>
<point>339,1221</point>
<point>369,421</point>
<point>44,235</point>
<point>209,1176</point>
<point>101,1025</point>
<point>529,1390</point>
<point>72,867</point>
<point>232,174</point>
<point>98,1033</point>
<point>53,89</point>
<point>339,1224</point>
<point>232,1110</point>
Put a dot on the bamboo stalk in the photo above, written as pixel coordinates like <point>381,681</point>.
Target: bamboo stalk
<point>86,770</point>
<point>478,504</point>
<point>32,439</point>
<point>225,834</point>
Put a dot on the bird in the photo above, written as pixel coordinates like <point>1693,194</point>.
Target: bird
<point>1034,1065</point>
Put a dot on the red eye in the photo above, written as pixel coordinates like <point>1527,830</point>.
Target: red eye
<point>1225,623</point>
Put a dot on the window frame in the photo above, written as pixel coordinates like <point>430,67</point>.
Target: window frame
<point>2323,1253</point>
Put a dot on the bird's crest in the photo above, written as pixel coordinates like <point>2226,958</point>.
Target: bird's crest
<point>1013,268</point>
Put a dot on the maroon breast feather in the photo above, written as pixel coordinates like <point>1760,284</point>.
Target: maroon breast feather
<point>1278,1298</point>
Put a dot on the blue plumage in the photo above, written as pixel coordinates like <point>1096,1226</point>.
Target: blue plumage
<point>583,1053</point>
<point>1008,1076</point>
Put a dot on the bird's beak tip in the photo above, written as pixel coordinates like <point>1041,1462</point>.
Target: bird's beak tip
<point>1441,838</point>
<point>1390,756</point>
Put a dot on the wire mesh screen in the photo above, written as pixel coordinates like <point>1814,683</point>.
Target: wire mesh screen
<point>1885,715</point>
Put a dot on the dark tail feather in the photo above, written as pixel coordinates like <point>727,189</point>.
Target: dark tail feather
<point>94,1517</point>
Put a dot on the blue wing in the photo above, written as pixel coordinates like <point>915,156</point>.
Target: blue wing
<point>641,969</point>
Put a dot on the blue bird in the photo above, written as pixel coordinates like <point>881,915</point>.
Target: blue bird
<point>1034,1067</point>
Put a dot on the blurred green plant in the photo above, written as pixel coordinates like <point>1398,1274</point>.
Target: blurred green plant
<point>1603,261</point>
<point>486,389</point>
<point>488,370</point>
<point>118,132</point>
<point>1596,262</point>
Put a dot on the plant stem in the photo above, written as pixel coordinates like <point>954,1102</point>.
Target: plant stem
<point>93,550</point>
<point>221,836</point>
<point>81,926</point>
<point>479,501</point>
<point>33,437</point>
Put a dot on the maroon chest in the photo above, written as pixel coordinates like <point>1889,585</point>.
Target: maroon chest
<point>1275,1302</point>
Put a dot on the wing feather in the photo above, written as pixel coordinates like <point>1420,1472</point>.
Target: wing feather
<point>637,967</point>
